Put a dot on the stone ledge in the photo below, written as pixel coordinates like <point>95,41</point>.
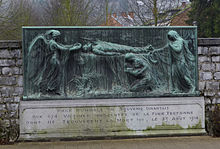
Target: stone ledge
<point>10,44</point>
<point>208,41</point>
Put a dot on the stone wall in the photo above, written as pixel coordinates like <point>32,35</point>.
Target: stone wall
<point>209,81</point>
<point>11,89</point>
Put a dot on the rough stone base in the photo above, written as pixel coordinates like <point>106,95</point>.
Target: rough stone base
<point>111,118</point>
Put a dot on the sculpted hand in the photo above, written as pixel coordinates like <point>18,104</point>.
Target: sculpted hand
<point>76,46</point>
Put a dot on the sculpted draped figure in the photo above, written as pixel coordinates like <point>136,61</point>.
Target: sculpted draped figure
<point>181,63</point>
<point>45,59</point>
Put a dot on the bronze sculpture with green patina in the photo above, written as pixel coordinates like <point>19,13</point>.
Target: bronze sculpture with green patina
<point>90,67</point>
<point>47,73</point>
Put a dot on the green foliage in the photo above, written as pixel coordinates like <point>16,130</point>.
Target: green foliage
<point>206,13</point>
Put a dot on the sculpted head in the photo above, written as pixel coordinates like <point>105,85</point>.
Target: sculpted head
<point>52,34</point>
<point>173,35</point>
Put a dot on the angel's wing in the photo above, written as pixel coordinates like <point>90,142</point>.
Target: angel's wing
<point>37,55</point>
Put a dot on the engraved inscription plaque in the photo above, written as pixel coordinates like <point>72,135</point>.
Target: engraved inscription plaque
<point>136,117</point>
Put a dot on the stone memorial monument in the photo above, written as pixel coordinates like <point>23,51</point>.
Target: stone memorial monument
<point>110,82</point>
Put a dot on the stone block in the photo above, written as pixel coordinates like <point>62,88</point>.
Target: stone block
<point>12,44</point>
<point>5,54</point>
<point>205,75</point>
<point>215,100</point>
<point>8,80</point>
<point>20,80</point>
<point>12,106</point>
<point>214,50</point>
<point>204,59</point>
<point>8,54</point>
<point>217,66</point>
<point>203,50</point>
<point>6,91</point>
<point>208,67</point>
<point>19,62</point>
<point>21,70</point>
<point>1,99</point>
<point>217,76</point>
<point>215,58</point>
<point>16,53</point>
<point>17,99</point>
<point>207,101</point>
<point>18,91</point>
<point>201,86</point>
<point>7,62</point>
<point>111,117</point>
<point>10,70</point>
<point>9,100</point>
<point>16,70</point>
<point>212,85</point>
<point>2,106</point>
<point>7,71</point>
<point>209,93</point>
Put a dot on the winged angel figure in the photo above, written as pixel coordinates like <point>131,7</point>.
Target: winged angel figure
<point>45,57</point>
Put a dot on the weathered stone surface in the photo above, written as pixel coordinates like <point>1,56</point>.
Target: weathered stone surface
<point>217,66</point>
<point>209,93</point>
<point>205,75</point>
<point>201,86</point>
<point>12,44</point>
<point>203,50</point>
<point>208,41</point>
<point>214,50</point>
<point>207,101</point>
<point>10,70</point>
<point>108,117</point>
<point>12,106</point>
<point>19,62</point>
<point>7,71</point>
<point>5,54</point>
<point>215,100</point>
<point>7,62</point>
<point>8,80</point>
<point>212,85</point>
<point>204,59</point>
<point>208,67</point>
<point>18,91</point>
<point>10,53</point>
<point>6,91</point>
<point>217,76</point>
<point>17,99</point>
<point>8,99</point>
<point>16,70</point>
<point>20,81</point>
<point>16,53</point>
<point>215,58</point>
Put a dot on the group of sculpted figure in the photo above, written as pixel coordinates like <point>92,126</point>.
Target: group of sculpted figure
<point>47,70</point>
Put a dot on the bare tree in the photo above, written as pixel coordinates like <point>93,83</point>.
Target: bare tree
<point>73,12</point>
<point>155,12</point>
<point>17,13</point>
